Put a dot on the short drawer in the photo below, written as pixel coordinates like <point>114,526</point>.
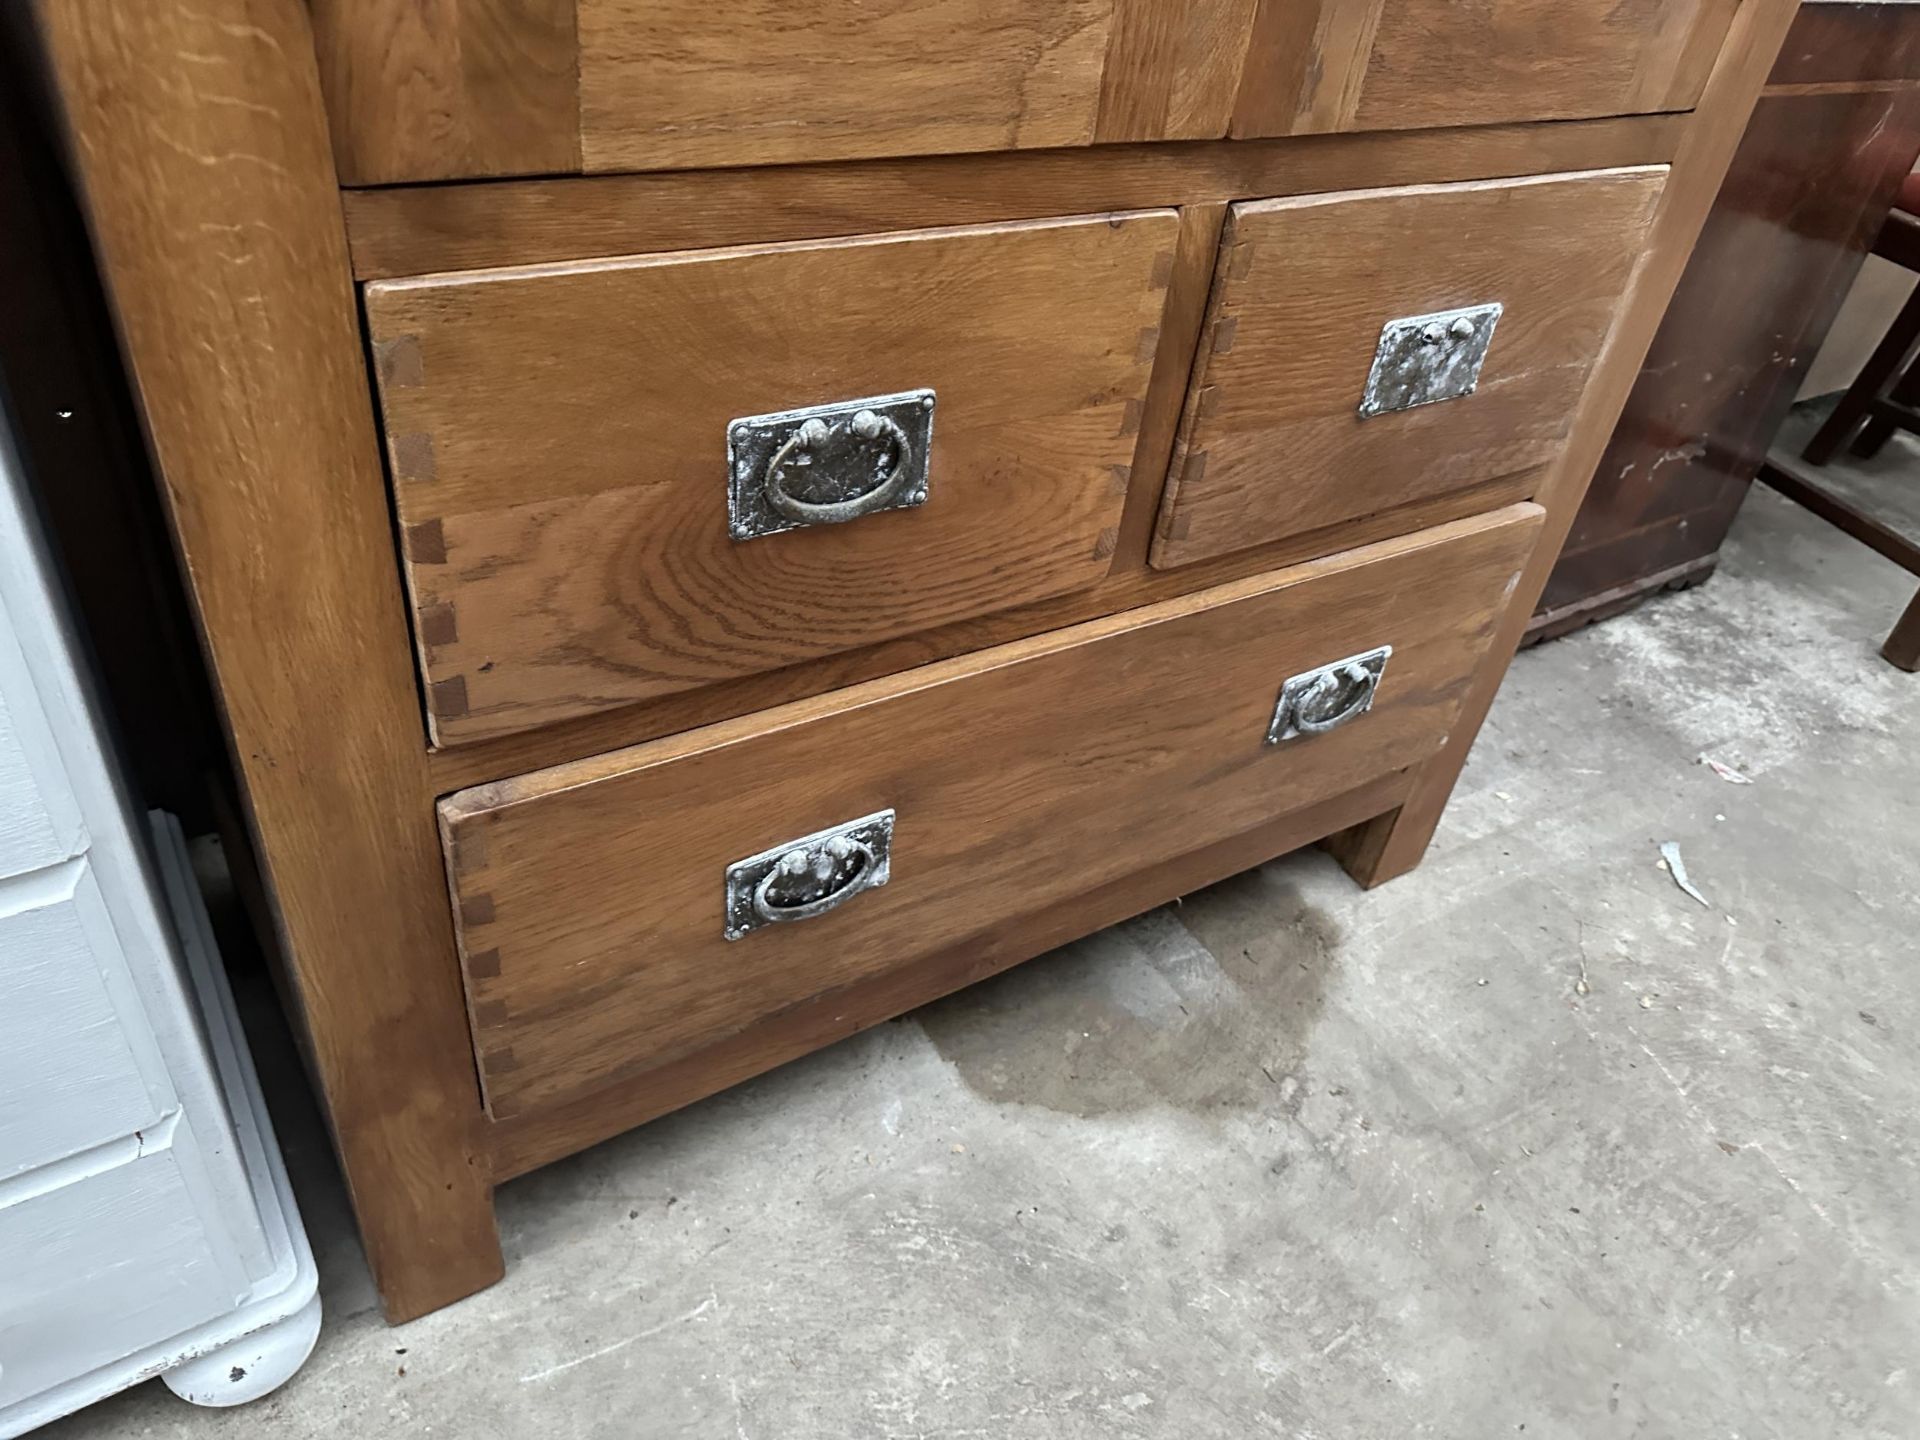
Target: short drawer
<point>1317,66</point>
<point>1392,349</point>
<point>610,490</point>
<point>607,923</point>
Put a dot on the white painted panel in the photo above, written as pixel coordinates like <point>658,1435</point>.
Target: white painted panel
<point>70,1078</point>
<point>97,1269</point>
<point>39,817</point>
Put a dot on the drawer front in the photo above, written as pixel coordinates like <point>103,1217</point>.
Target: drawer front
<point>528,87</point>
<point>69,1077</point>
<point>1317,66</point>
<point>566,458</point>
<point>103,1267</point>
<point>594,900</point>
<point>1307,310</point>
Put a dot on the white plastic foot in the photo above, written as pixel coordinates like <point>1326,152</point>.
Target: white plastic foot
<point>252,1366</point>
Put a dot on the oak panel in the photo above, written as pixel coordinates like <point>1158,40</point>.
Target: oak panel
<point>589,896</point>
<point>1172,67</point>
<point>671,84</point>
<point>1272,442</point>
<point>1326,65</point>
<point>558,439</point>
<point>433,89</point>
<point>451,89</point>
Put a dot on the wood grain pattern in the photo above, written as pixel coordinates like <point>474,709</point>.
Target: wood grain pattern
<point>590,895</point>
<point>567,541</point>
<point>672,84</point>
<point>420,229</point>
<point>1393,844</point>
<point>1316,66</point>
<point>1272,442</point>
<point>524,1142</point>
<point>422,90</point>
<point>1171,69</point>
<point>1191,282</point>
<point>1129,586</point>
<point>433,89</point>
<point>224,244</point>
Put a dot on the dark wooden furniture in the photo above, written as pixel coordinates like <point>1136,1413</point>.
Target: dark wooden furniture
<point>1903,645</point>
<point>1880,402</point>
<point>1800,481</point>
<point>581,294</point>
<point>1834,134</point>
<point>1882,397</point>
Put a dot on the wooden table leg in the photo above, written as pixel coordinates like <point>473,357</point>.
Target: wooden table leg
<point>1903,645</point>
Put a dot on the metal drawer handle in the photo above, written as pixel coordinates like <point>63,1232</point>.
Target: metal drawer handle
<point>823,866</point>
<point>1357,682</point>
<point>828,464</point>
<point>810,876</point>
<point>1329,697</point>
<point>896,471</point>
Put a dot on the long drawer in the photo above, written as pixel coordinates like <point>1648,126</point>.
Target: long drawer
<point>623,478</point>
<point>619,913</point>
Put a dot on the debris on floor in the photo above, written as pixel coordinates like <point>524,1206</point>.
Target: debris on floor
<point>1676,867</point>
<point>1725,772</point>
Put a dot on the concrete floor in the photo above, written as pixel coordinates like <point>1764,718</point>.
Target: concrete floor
<point>1526,1143</point>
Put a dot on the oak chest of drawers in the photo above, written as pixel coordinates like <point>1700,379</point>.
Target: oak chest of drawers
<point>716,524</point>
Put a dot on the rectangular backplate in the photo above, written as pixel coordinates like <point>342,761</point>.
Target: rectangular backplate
<point>874,831</point>
<point>1424,359</point>
<point>754,440</point>
<point>1351,686</point>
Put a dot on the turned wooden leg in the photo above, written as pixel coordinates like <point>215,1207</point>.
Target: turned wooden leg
<point>1903,645</point>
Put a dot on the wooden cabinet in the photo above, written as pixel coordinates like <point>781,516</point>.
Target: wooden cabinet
<point>475,501</point>
<point>563,441</point>
<point>1325,65</point>
<point>1277,439</point>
